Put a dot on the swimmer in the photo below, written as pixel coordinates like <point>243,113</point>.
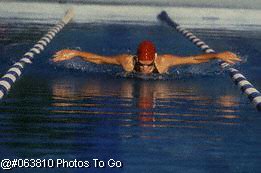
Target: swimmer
<point>146,61</point>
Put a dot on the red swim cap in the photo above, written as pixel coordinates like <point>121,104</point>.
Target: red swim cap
<point>146,51</point>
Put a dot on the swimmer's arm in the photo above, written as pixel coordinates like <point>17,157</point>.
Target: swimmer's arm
<point>67,54</point>
<point>98,59</point>
<point>173,60</point>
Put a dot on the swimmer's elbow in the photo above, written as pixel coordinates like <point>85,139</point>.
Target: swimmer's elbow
<point>106,60</point>
<point>97,62</point>
<point>191,61</point>
<point>201,61</point>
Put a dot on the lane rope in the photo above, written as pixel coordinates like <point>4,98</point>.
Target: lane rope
<point>240,80</point>
<point>15,71</point>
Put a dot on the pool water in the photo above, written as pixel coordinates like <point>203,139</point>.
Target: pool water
<point>191,120</point>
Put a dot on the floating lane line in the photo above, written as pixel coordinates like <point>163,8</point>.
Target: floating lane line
<point>240,80</point>
<point>15,71</point>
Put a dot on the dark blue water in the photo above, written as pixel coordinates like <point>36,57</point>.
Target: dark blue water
<point>192,120</point>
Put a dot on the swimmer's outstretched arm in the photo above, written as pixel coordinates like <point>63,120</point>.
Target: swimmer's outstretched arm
<point>173,60</point>
<point>67,54</point>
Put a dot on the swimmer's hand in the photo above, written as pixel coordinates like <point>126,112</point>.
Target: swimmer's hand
<point>228,57</point>
<point>65,54</point>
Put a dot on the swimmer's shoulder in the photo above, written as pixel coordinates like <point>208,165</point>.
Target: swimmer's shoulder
<point>127,62</point>
<point>162,63</point>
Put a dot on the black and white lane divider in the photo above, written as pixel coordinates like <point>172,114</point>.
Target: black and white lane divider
<point>240,80</point>
<point>16,69</point>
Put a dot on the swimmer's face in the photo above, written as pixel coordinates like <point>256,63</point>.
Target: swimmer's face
<point>146,67</point>
<point>146,54</point>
